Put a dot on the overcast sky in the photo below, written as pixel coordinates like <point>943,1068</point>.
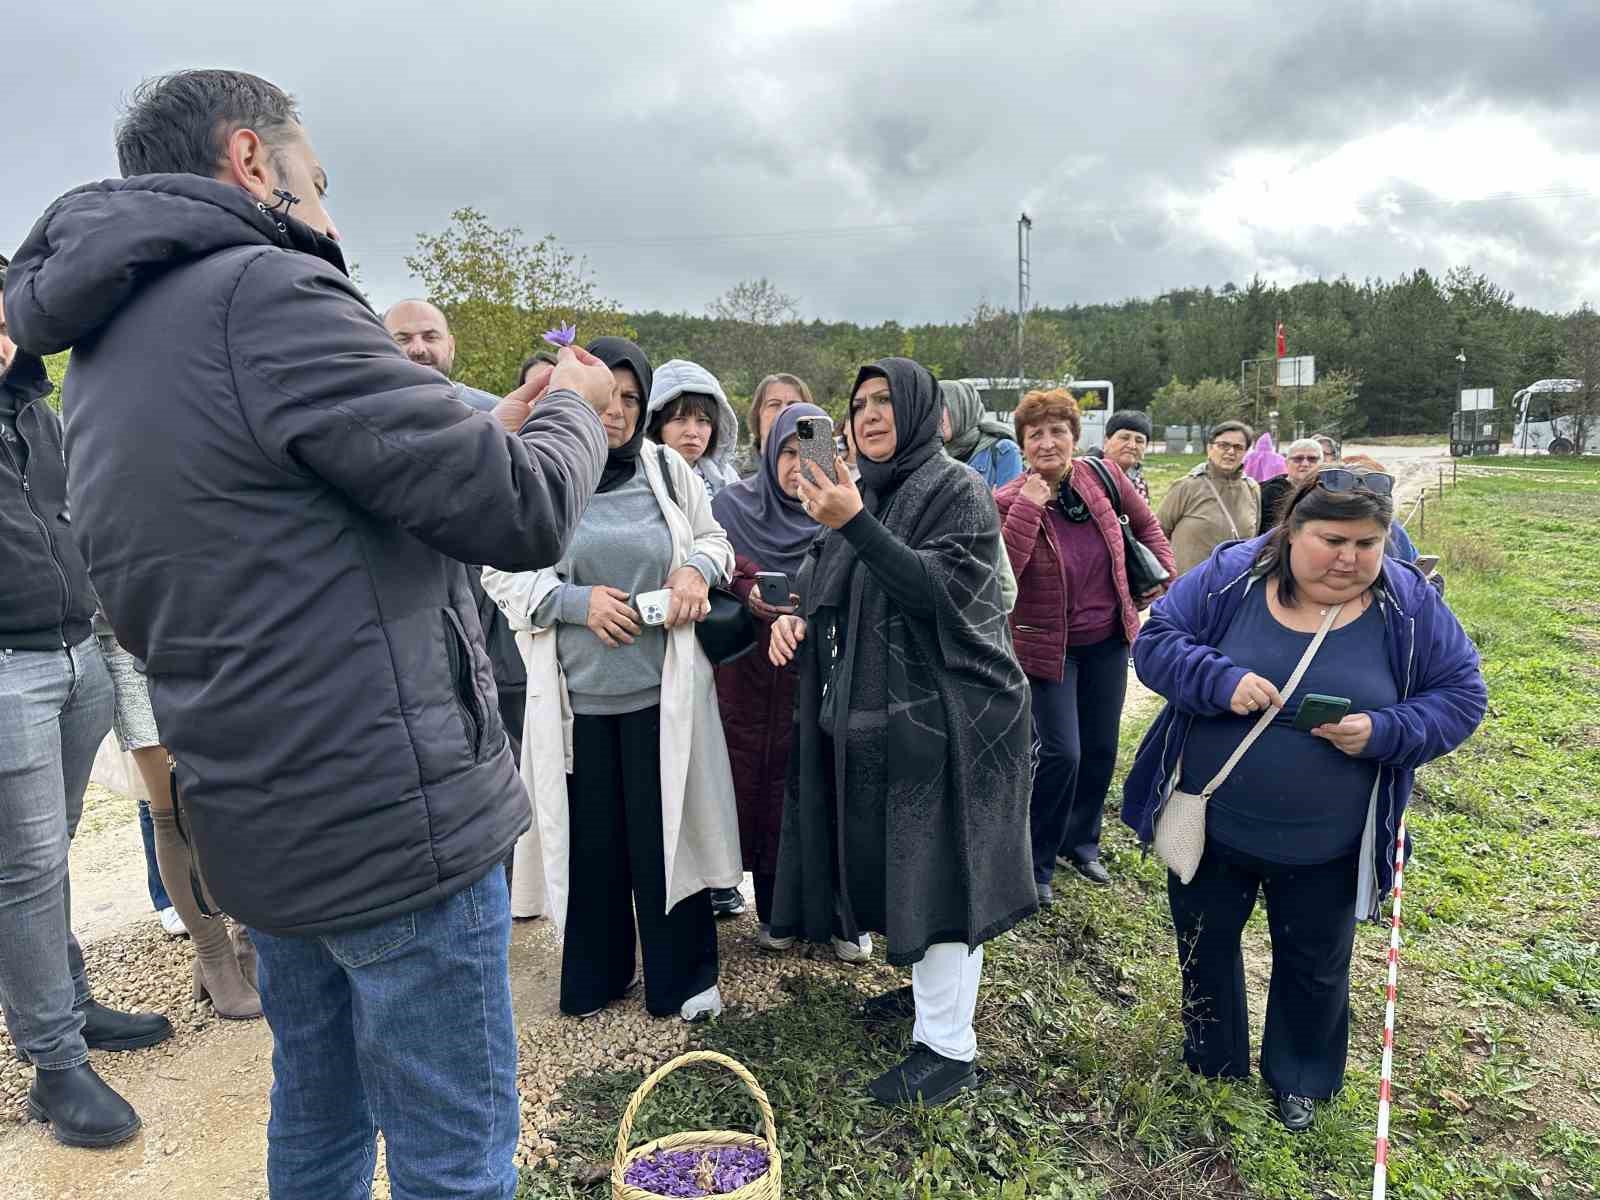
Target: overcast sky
<point>871,157</point>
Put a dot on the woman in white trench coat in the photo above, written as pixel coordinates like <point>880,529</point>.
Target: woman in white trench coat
<point>622,750</point>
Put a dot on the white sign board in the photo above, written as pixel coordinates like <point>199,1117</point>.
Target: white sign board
<point>1475,399</point>
<point>1300,371</point>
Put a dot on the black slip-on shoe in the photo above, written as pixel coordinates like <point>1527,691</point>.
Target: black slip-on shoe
<point>924,1078</point>
<point>107,1029</point>
<point>1093,870</point>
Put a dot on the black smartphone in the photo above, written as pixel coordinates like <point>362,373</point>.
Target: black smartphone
<point>815,438</point>
<point>774,588</point>
<point>1320,710</point>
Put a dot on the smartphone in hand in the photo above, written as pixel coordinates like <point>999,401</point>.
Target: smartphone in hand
<point>814,435</point>
<point>1320,710</point>
<point>653,606</point>
<point>773,587</point>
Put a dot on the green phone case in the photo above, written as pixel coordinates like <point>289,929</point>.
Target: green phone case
<point>1317,710</point>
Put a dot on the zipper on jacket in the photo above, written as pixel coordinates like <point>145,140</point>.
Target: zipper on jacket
<point>44,528</point>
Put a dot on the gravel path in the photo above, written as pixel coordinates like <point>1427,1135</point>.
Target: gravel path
<point>203,1095</point>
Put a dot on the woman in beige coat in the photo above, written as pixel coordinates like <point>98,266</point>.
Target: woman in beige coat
<point>646,823</point>
<point>1215,503</point>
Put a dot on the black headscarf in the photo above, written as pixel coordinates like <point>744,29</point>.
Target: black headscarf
<point>622,462</point>
<point>915,398</point>
<point>914,395</point>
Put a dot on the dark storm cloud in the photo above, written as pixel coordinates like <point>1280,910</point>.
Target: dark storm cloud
<point>869,157</point>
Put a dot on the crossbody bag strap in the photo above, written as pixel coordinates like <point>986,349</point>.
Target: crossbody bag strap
<point>1228,516</point>
<point>1265,719</point>
<point>1110,484</point>
<point>666,476</point>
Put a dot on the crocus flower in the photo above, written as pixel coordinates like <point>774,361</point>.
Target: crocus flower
<point>563,335</point>
<point>694,1173</point>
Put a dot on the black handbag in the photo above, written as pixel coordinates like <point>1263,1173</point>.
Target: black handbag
<point>1145,572</point>
<point>728,630</point>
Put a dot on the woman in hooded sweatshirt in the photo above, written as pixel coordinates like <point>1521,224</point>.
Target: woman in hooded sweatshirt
<point>907,805</point>
<point>647,822</point>
<point>973,437</point>
<point>689,412</point>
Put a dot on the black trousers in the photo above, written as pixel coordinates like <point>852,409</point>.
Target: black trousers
<point>1311,913</point>
<point>1076,724</point>
<point>617,867</point>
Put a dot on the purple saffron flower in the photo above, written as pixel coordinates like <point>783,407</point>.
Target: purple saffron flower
<point>563,335</point>
<point>685,1172</point>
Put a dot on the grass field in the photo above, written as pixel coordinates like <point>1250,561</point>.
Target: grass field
<point>1498,1064</point>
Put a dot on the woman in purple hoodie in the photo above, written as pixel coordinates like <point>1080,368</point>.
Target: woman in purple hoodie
<point>1307,817</point>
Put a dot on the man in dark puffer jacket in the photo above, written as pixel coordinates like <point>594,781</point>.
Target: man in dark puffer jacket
<point>273,503</point>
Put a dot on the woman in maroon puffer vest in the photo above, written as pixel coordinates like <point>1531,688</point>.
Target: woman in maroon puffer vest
<point>1072,625</point>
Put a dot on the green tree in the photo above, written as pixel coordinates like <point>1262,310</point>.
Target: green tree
<point>1204,402</point>
<point>501,293</point>
<point>1581,361</point>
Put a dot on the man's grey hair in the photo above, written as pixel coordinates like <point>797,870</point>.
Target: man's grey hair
<point>1303,444</point>
<point>181,123</point>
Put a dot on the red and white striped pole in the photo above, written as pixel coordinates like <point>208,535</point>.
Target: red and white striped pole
<point>1380,1170</point>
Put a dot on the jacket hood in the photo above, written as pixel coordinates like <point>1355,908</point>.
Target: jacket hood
<point>1403,581</point>
<point>99,244</point>
<point>677,376</point>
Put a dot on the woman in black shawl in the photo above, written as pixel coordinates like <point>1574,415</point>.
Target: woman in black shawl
<point>907,806</point>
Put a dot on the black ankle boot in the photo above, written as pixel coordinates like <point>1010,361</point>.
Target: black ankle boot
<point>81,1107</point>
<point>107,1029</point>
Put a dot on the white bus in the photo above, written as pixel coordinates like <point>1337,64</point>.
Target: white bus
<point>1537,429</point>
<point>1000,397</point>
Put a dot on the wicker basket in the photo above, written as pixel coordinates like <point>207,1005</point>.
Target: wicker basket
<point>768,1187</point>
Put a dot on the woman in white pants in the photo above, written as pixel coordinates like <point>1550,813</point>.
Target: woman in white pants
<point>906,811</point>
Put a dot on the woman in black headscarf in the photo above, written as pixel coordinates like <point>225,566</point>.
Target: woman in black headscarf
<point>907,806</point>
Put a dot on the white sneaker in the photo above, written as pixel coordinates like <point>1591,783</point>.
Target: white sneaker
<point>172,922</point>
<point>854,952</point>
<point>766,941</point>
<point>703,1007</point>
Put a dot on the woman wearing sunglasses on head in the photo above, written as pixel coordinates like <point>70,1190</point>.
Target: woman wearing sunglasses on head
<point>1308,813</point>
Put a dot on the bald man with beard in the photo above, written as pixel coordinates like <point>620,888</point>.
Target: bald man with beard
<point>421,330</point>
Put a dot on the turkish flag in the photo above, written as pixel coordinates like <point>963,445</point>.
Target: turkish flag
<point>1283,342</point>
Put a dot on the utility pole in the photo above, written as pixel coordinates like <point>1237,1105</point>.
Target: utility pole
<point>1024,289</point>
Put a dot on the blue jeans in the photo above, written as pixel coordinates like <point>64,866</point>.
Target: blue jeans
<point>405,1027</point>
<point>152,873</point>
<point>55,709</point>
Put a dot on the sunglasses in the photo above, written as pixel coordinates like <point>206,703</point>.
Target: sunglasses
<point>1341,479</point>
<point>1305,458</point>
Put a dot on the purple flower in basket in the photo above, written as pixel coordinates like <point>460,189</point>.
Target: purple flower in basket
<point>562,335</point>
<point>683,1172</point>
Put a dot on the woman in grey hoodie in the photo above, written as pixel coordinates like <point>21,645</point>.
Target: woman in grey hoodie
<point>689,412</point>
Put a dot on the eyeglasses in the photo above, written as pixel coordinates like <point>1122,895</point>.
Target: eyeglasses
<point>1305,458</point>
<point>1340,479</point>
<point>1230,447</point>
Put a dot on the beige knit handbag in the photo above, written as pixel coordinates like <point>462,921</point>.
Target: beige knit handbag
<point>1181,823</point>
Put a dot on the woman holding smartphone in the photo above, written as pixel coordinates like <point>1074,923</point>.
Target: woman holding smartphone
<point>646,822</point>
<point>907,806</point>
<point>771,533</point>
<point>1307,815</point>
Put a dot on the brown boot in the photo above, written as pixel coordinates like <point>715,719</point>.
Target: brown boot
<point>216,970</point>
<point>245,951</point>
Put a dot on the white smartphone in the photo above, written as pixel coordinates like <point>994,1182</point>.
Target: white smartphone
<point>653,606</point>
